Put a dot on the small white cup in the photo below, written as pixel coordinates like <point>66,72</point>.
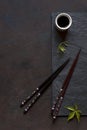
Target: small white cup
<point>63,21</point>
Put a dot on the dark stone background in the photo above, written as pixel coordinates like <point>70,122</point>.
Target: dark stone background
<point>25,62</point>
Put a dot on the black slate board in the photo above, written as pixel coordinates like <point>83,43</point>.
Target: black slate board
<point>77,37</point>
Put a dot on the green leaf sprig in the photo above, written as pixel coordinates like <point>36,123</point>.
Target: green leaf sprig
<point>62,46</point>
<point>74,112</point>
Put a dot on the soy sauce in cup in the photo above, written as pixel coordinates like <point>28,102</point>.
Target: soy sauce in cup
<point>63,21</point>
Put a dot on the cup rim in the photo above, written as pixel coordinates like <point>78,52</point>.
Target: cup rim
<point>70,21</point>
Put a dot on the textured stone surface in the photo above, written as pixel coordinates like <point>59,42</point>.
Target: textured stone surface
<point>77,37</point>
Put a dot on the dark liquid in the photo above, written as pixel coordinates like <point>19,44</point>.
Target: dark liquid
<point>63,21</point>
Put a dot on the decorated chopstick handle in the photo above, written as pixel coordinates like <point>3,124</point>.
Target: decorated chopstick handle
<point>57,108</point>
<point>56,100</point>
<point>29,97</point>
<point>32,103</point>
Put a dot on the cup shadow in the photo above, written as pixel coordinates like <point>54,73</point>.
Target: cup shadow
<point>63,34</point>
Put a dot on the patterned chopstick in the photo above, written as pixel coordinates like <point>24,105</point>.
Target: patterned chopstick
<point>49,79</point>
<point>57,105</point>
<point>38,93</point>
<point>35,99</point>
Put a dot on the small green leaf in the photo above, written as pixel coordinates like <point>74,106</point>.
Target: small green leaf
<point>62,45</point>
<point>78,116</point>
<point>66,43</point>
<point>61,48</point>
<point>70,108</point>
<point>74,112</point>
<point>71,115</point>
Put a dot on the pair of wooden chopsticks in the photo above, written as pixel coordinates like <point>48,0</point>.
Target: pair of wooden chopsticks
<point>36,94</point>
<point>59,99</point>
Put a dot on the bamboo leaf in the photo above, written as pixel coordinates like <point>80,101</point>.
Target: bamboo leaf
<point>74,112</point>
<point>70,108</point>
<point>78,116</point>
<point>66,43</point>
<point>61,48</point>
<point>62,45</point>
<point>71,115</point>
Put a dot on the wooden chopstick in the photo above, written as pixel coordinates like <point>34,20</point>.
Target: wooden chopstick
<point>57,105</point>
<point>41,89</point>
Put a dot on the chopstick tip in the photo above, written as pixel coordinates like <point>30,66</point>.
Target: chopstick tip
<point>54,117</point>
<point>25,111</point>
<point>22,104</point>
